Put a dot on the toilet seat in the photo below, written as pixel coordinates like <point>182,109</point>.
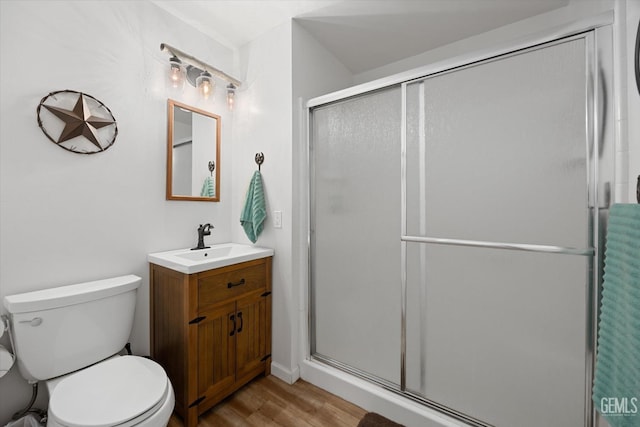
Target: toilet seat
<point>121,391</point>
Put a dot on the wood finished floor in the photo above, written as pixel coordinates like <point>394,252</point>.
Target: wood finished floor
<point>268,401</point>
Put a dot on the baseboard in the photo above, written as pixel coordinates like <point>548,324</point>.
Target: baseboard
<point>287,375</point>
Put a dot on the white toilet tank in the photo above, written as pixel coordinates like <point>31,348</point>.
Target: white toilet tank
<point>60,330</point>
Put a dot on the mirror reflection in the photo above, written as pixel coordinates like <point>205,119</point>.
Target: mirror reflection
<point>193,153</point>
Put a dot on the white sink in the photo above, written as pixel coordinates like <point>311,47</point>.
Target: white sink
<point>189,261</point>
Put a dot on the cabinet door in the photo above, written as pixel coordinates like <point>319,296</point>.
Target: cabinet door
<point>216,350</point>
<point>251,339</point>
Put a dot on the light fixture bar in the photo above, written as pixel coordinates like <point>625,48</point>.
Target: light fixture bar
<point>197,63</point>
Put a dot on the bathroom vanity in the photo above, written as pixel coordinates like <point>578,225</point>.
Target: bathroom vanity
<point>211,328</point>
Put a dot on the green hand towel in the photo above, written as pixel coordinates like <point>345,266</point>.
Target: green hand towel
<point>254,212</point>
<point>208,189</point>
<point>616,386</point>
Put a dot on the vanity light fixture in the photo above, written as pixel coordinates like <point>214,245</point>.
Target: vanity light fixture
<point>199,74</point>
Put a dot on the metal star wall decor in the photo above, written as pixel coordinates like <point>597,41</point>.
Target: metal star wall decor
<point>81,122</point>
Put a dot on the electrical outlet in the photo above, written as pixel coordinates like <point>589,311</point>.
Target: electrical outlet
<point>277,219</point>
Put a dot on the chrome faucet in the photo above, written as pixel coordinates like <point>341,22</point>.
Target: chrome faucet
<point>203,230</point>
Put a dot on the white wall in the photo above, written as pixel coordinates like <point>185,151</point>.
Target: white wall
<point>65,217</point>
<point>262,123</point>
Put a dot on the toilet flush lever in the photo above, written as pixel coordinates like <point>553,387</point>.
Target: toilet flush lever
<point>36,321</point>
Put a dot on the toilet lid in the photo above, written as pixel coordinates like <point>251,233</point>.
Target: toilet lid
<point>108,393</point>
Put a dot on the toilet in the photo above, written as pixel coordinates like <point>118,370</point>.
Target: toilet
<point>70,337</point>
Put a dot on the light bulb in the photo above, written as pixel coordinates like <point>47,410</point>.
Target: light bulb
<point>205,84</point>
<point>176,73</point>
<point>231,95</point>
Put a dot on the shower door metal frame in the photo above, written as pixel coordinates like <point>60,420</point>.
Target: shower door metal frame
<point>600,136</point>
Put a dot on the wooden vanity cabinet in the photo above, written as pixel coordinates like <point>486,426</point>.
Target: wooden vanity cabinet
<point>211,331</point>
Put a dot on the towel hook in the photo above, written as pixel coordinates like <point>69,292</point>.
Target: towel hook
<point>212,167</point>
<point>259,159</point>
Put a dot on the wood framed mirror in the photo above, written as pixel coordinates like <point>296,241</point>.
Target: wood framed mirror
<point>193,153</point>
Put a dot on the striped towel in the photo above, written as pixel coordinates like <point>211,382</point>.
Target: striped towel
<point>616,387</point>
<point>254,212</point>
<point>208,188</point>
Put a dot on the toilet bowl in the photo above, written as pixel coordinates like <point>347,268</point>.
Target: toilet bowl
<point>122,391</point>
<point>69,337</point>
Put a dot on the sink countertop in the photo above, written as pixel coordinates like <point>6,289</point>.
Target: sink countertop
<point>219,255</point>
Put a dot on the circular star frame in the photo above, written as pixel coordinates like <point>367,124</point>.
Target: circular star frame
<point>82,123</point>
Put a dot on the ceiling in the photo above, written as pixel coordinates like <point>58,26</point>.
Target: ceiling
<point>362,34</point>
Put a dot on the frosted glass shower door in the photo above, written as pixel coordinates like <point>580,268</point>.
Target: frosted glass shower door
<point>498,246</point>
<point>355,242</point>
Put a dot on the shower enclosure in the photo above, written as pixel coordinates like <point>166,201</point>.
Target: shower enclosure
<point>454,232</point>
